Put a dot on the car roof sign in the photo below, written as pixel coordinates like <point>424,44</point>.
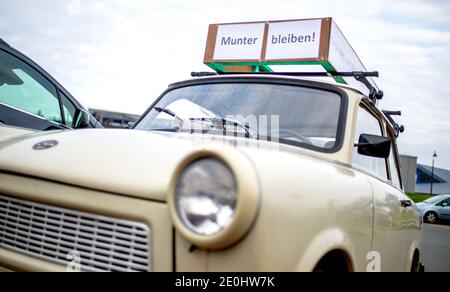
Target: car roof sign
<point>267,46</point>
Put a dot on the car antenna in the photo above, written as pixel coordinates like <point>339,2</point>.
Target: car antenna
<point>374,93</point>
<point>397,128</point>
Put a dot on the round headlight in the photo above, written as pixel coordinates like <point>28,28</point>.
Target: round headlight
<point>206,196</point>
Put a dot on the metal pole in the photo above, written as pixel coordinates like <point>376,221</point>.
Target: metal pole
<point>432,174</point>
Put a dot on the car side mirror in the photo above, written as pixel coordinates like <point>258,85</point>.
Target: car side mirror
<point>374,146</point>
<point>81,119</point>
<point>445,204</point>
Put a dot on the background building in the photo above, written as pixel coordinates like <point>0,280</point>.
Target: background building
<point>440,179</point>
<point>408,166</point>
<point>110,119</point>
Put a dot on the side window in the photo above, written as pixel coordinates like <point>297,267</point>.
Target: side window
<point>366,123</point>
<point>24,88</point>
<point>393,164</point>
<point>69,109</point>
<point>445,203</point>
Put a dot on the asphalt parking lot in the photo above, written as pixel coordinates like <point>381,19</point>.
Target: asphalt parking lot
<point>436,248</point>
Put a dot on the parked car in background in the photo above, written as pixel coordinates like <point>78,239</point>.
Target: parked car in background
<point>31,98</point>
<point>190,189</point>
<point>435,209</point>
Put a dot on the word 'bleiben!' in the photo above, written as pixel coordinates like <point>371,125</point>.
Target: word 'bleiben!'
<point>291,39</point>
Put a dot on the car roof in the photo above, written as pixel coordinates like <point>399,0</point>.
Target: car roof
<point>441,196</point>
<point>2,42</point>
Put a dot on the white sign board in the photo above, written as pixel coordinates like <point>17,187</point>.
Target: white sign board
<point>343,58</point>
<point>294,40</point>
<point>239,41</point>
<point>243,47</point>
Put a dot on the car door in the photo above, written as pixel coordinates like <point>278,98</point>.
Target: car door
<point>443,209</point>
<point>411,215</point>
<point>26,93</point>
<point>11,116</point>
<point>29,99</point>
<point>388,219</point>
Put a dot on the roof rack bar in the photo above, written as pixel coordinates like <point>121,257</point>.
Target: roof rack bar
<point>203,74</point>
<point>360,76</point>
<point>356,74</point>
<point>397,128</point>
<point>392,113</point>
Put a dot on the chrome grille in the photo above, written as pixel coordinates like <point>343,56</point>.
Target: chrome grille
<point>97,243</point>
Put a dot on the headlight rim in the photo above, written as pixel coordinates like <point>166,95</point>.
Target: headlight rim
<point>186,223</point>
<point>247,205</point>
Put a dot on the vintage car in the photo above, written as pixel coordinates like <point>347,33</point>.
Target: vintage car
<point>30,98</point>
<point>240,172</point>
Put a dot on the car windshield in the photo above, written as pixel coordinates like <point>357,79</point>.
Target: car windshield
<point>433,200</point>
<point>293,114</point>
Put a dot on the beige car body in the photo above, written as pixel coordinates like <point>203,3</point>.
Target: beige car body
<point>8,133</point>
<point>131,175</point>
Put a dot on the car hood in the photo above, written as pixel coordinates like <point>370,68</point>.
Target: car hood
<point>421,205</point>
<point>8,133</point>
<point>127,162</point>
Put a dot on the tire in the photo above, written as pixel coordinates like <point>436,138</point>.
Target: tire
<point>415,265</point>
<point>431,218</point>
<point>333,262</point>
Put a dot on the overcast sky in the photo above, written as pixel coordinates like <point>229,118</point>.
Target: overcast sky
<point>120,55</point>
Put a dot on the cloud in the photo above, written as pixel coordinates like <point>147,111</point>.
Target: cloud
<point>120,55</point>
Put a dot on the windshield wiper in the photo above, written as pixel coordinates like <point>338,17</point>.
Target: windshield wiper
<point>165,110</point>
<point>170,113</point>
<point>224,121</point>
<point>214,120</point>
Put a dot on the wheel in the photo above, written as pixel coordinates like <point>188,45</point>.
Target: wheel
<point>431,217</point>
<point>333,262</point>
<point>415,266</point>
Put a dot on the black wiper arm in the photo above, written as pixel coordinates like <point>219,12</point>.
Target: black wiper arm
<point>170,113</point>
<point>165,110</point>
<point>213,120</point>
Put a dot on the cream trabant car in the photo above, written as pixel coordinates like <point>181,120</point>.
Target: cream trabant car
<point>222,173</point>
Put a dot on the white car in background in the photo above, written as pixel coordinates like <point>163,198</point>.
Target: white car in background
<point>435,209</point>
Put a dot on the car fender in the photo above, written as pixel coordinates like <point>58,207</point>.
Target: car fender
<point>430,208</point>
<point>325,242</point>
<point>415,245</point>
